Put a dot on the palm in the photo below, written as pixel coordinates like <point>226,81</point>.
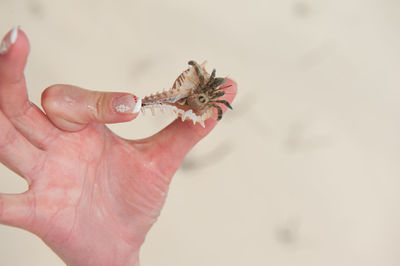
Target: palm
<point>93,187</point>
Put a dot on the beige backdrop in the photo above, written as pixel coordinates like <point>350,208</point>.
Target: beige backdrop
<point>304,171</point>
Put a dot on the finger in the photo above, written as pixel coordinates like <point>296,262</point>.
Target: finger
<point>16,210</point>
<point>177,139</point>
<point>71,108</point>
<point>14,102</point>
<point>16,152</point>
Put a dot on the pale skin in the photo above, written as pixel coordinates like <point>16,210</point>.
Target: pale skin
<point>92,195</point>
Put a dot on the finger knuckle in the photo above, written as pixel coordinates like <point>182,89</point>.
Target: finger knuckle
<point>99,106</point>
<point>49,92</point>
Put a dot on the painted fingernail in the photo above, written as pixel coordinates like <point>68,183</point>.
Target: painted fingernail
<point>8,41</point>
<point>127,104</point>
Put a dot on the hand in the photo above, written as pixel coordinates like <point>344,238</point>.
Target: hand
<point>92,195</point>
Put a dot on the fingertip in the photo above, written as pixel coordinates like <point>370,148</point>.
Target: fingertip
<point>125,106</point>
<point>14,44</point>
<point>121,118</point>
<point>14,51</point>
<point>122,107</point>
<point>230,89</point>
<point>22,42</point>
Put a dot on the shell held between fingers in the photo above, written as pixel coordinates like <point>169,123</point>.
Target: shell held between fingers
<point>194,95</point>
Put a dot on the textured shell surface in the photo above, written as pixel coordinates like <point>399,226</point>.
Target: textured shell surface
<point>175,99</point>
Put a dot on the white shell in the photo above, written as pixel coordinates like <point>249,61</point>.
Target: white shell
<point>182,88</point>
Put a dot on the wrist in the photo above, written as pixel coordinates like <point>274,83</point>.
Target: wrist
<point>108,255</point>
<point>129,260</point>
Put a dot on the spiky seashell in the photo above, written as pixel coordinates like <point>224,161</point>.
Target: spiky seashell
<point>193,95</point>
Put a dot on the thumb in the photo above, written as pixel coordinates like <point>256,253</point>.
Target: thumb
<point>71,108</point>
<point>178,138</point>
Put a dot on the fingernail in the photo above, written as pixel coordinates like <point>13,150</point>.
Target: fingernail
<point>127,104</point>
<point>8,41</point>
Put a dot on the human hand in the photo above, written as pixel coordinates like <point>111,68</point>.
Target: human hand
<point>92,195</point>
